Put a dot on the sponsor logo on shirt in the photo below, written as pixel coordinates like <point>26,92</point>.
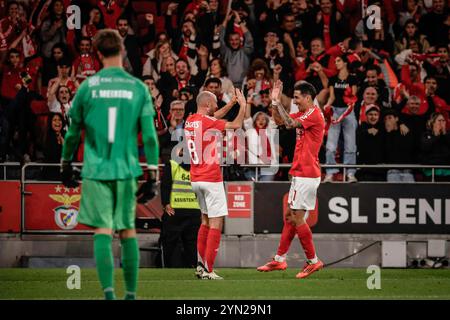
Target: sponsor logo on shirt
<point>94,81</point>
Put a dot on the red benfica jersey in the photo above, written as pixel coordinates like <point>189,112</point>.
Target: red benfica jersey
<point>204,134</point>
<point>309,139</point>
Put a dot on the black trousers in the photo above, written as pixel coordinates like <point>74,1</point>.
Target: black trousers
<point>179,239</point>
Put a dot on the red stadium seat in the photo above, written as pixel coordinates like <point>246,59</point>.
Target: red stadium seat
<point>164,5</point>
<point>159,24</point>
<point>44,91</point>
<point>144,7</point>
<point>142,22</point>
<point>41,125</point>
<point>144,59</point>
<point>39,107</point>
<point>223,6</point>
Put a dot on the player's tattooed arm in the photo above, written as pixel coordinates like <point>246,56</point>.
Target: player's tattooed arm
<point>287,120</point>
<point>279,109</point>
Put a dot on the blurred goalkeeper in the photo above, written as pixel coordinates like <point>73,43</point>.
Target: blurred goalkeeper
<point>110,107</point>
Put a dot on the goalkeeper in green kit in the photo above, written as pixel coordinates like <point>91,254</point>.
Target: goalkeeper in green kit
<point>111,106</point>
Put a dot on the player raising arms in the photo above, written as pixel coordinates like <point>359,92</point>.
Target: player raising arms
<point>305,171</point>
<point>204,134</point>
<point>111,106</point>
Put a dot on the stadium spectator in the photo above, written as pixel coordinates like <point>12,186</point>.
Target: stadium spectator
<point>185,38</point>
<point>158,58</point>
<point>373,80</point>
<point>54,141</point>
<point>317,68</point>
<point>50,65</point>
<point>11,76</point>
<point>411,10</point>
<point>341,86</point>
<point>111,11</point>
<point>54,28</point>
<point>434,101</point>
<point>134,44</point>
<point>411,83</point>
<point>22,123</point>
<point>370,144</point>
<point>217,69</point>
<point>236,54</point>
<point>86,63</point>
<point>169,67</point>
<point>415,118</point>
<point>433,24</point>
<point>378,36</point>
<point>264,104</point>
<point>274,53</point>
<point>435,147</point>
<point>399,148</point>
<point>174,132</point>
<point>63,78</point>
<point>258,78</point>
<point>329,24</point>
<point>262,144</point>
<point>440,69</point>
<point>176,119</point>
<point>410,36</point>
<point>60,100</point>
<point>214,85</point>
<point>290,27</point>
<point>370,98</point>
<point>170,85</point>
<point>96,22</point>
<point>187,95</point>
<point>157,98</point>
<point>11,27</point>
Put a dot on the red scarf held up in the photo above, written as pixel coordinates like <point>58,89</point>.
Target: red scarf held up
<point>350,100</point>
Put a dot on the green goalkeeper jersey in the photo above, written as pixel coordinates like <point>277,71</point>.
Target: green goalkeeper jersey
<point>111,107</point>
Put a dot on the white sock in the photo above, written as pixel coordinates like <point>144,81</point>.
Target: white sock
<point>278,258</point>
<point>313,260</point>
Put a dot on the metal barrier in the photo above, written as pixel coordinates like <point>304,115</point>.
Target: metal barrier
<point>345,167</point>
<point>50,195</point>
<point>26,181</point>
<point>4,166</point>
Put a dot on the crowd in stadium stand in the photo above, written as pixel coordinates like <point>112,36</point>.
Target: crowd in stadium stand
<point>383,84</point>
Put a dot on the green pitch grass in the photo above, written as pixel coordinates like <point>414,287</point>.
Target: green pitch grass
<point>238,284</point>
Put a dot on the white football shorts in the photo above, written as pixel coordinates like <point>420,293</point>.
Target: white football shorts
<point>211,198</point>
<point>303,193</point>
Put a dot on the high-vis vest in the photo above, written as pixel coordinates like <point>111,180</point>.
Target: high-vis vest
<point>182,196</point>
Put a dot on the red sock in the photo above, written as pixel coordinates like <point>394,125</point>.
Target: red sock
<point>287,235</point>
<point>305,235</point>
<point>202,237</point>
<point>212,247</point>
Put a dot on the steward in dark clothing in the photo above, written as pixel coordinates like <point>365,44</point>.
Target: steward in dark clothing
<point>181,219</point>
